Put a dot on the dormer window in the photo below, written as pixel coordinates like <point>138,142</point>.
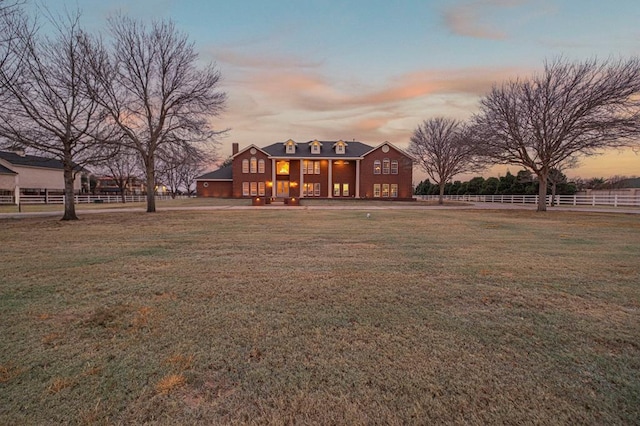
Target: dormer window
<point>290,147</point>
<point>315,147</point>
<point>340,147</point>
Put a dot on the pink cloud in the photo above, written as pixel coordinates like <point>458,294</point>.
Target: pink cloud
<point>304,104</point>
<point>472,19</point>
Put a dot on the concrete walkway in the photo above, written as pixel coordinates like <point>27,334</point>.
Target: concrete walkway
<point>390,206</point>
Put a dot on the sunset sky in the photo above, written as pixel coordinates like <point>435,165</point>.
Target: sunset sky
<point>372,70</point>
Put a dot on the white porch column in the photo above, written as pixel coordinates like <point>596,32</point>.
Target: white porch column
<point>301,179</point>
<point>330,178</point>
<point>357,178</point>
<point>16,195</point>
<point>273,177</point>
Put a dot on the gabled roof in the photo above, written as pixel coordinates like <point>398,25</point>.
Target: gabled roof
<point>391,146</point>
<point>247,148</point>
<point>6,171</point>
<point>31,160</point>
<point>223,173</point>
<point>303,150</point>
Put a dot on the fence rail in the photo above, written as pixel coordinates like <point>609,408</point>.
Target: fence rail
<point>559,200</point>
<point>80,199</point>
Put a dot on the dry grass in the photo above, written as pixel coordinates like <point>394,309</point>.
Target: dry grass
<point>324,317</point>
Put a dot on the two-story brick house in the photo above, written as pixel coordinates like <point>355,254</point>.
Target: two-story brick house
<point>314,169</point>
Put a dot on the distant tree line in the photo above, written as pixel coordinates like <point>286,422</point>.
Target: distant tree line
<point>524,183</point>
<point>521,183</point>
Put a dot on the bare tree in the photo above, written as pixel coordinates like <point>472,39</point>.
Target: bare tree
<point>13,22</point>
<point>443,148</point>
<point>124,168</point>
<point>180,165</point>
<point>555,177</point>
<point>47,108</point>
<point>154,91</point>
<point>570,110</point>
<point>11,19</point>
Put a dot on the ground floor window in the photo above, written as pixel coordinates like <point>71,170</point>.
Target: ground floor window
<point>253,189</point>
<point>345,189</point>
<point>385,190</point>
<point>336,189</point>
<point>311,190</point>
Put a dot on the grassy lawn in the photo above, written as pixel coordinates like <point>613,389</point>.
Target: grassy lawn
<point>321,316</point>
<point>182,202</point>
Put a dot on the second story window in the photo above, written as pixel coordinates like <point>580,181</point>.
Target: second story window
<point>376,167</point>
<point>245,166</point>
<point>315,147</point>
<point>394,167</point>
<point>261,166</point>
<point>254,165</point>
<point>290,147</point>
<point>385,166</point>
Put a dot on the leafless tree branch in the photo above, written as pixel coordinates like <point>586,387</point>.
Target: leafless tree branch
<point>569,110</point>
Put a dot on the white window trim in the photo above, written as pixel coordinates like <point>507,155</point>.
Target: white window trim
<point>386,166</point>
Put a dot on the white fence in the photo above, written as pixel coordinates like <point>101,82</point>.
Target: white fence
<point>559,200</point>
<point>81,199</point>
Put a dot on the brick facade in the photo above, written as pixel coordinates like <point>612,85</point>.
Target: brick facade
<point>315,170</point>
<point>403,177</point>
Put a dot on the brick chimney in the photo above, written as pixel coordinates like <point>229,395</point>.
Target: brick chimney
<point>234,148</point>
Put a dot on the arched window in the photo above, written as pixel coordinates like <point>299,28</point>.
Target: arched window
<point>245,166</point>
<point>254,165</point>
<point>376,167</point>
<point>385,166</point>
<point>261,166</point>
<point>394,167</point>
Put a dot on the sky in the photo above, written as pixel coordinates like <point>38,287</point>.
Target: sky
<point>373,70</point>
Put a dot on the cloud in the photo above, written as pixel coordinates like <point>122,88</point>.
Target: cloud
<point>235,59</point>
<point>304,104</point>
<point>311,91</point>
<point>473,19</point>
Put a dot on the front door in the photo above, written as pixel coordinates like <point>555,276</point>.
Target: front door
<point>282,188</point>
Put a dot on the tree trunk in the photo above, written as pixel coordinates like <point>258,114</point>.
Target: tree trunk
<point>441,195</point>
<point>123,196</point>
<point>69,201</point>
<point>151,186</point>
<point>542,193</point>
